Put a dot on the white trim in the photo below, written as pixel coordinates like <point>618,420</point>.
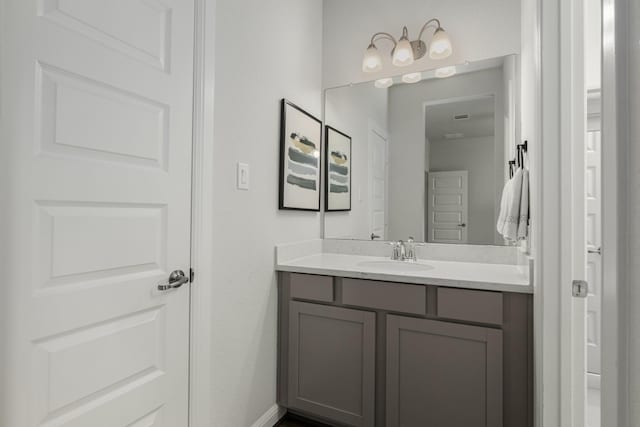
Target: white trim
<point>558,319</point>
<point>271,417</point>
<point>615,119</point>
<point>202,212</point>
<point>546,222</point>
<point>573,213</point>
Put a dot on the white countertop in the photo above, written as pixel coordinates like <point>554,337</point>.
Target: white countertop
<point>470,275</point>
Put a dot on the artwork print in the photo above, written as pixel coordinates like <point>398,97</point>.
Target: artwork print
<point>300,159</point>
<point>338,182</point>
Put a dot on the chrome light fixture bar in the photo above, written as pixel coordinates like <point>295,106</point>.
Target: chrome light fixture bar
<point>404,51</point>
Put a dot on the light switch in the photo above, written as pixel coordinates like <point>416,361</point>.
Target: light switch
<point>243,176</point>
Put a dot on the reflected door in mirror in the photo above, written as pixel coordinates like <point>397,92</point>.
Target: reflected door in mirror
<point>447,207</point>
<point>378,180</point>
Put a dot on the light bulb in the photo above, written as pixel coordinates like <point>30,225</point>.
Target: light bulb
<point>443,72</point>
<point>383,83</point>
<point>403,52</point>
<point>440,46</point>
<point>412,77</point>
<point>372,61</point>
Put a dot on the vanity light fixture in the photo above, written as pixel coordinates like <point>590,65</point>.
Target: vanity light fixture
<point>383,83</point>
<point>404,51</point>
<point>412,77</point>
<point>443,72</point>
<point>372,60</point>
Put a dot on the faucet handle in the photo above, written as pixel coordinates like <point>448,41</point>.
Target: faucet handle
<point>411,248</point>
<point>413,242</point>
<point>395,250</point>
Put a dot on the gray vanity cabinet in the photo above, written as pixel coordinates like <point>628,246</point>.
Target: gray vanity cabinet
<point>332,362</point>
<point>443,374</point>
<point>368,353</point>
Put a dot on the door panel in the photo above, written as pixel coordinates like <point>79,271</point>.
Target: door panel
<point>86,118</point>
<point>331,362</point>
<point>447,207</point>
<point>378,180</point>
<point>97,118</point>
<point>136,28</point>
<point>594,242</point>
<point>443,374</point>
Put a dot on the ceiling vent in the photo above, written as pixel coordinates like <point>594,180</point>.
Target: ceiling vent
<point>461,117</point>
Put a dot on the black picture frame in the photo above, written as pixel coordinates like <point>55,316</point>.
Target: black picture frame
<point>305,148</point>
<point>328,156</point>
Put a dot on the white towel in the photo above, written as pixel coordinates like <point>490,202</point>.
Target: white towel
<point>502,216</point>
<point>512,212</point>
<point>523,222</point>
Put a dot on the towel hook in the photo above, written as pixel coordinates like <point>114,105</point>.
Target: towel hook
<point>512,163</point>
<point>524,148</point>
<point>521,149</point>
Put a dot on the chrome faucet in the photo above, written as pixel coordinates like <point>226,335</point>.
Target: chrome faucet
<point>411,249</point>
<point>403,251</point>
<point>398,251</point>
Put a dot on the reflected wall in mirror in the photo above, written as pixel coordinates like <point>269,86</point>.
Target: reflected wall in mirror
<point>430,157</point>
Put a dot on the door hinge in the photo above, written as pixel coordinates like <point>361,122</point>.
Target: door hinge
<point>580,288</point>
<point>192,274</point>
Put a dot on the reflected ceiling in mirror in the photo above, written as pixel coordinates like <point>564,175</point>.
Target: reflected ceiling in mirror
<point>429,152</point>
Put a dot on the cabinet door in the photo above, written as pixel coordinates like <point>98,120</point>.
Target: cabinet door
<point>332,362</point>
<point>443,374</point>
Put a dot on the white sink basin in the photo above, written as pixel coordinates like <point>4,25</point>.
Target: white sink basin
<point>402,266</point>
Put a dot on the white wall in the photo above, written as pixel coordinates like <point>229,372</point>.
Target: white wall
<point>350,109</point>
<point>529,103</point>
<point>478,29</point>
<point>633,200</point>
<point>265,50</point>
<point>407,142</point>
<point>512,108</point>
<point>475,155</point>
<point>593,43</point>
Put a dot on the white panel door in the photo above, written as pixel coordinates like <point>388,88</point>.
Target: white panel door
<point>447,207</point>
<point>96,130</point>
<point>378,183</point>
<point>594,243</point>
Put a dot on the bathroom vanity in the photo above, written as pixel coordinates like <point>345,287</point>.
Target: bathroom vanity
<point>367,338</point>
<point>364,341</point>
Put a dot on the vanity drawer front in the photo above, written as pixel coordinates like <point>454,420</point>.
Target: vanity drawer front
<point>473,306</point>
<point>312,287</point>
<point>385,296</point>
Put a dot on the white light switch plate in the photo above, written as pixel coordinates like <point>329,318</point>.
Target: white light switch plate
<point>243,176</point>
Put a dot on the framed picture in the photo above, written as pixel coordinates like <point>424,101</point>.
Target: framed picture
<point>338,181</point>
<point>300,157</point>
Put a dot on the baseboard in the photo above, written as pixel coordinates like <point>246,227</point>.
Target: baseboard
<point>593,381</point>
<point>271,417</point>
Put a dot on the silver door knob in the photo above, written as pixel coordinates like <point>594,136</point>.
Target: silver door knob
<point>595,251</point>
<point>177,278</point>
<point>462,225</point>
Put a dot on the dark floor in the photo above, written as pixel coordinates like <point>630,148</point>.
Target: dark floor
<point>291,420</point>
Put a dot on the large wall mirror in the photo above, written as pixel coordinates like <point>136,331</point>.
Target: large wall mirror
<point>429,158</point>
